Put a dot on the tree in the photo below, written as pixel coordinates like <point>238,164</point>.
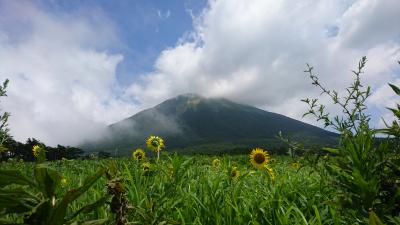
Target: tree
<point>4,136</point>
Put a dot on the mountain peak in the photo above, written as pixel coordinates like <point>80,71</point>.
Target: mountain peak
<point>192,123</point>
<point>190,95</point>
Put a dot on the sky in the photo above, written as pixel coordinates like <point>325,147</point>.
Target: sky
<point>76,66</point>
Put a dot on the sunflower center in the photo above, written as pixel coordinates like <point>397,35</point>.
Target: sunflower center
<point>154,143</point>
<point>139,156</point>
<point>259,158</point>
<point>234,173</point>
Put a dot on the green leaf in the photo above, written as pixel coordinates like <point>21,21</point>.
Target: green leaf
<point>374,219</point>
<point>8,222</point>
<point>57,217</point>
<point>39,212</point>
<point>47,179</point>
<point>8,177</point>
<point>91,222</point>
<point>395,89</point>
<point>16,200</point>
<point>332,150</point>
<point>89,208</point>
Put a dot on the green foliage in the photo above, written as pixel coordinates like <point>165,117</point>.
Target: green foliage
<point>362,170</point>
<point>4,136</point>
<point>394,128</point>
<point>23,151</point>
<point>36,198</point>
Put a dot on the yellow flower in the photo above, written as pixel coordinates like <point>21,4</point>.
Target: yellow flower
<point>235,173</point>
<point>138,154</point>
<point>63,182</point>
<point>259,158</point>
<point>36,150</point>
<point>295,165</point>
<point>155,143</point>
<point>146,166</point>
<point>216,162</point>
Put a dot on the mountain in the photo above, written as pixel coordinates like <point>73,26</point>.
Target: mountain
<point>193,124</point>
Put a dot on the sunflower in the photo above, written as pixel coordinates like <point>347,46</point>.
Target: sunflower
<point>36,150</point>
<point>216,162</point>
<point>235,173</point>
<point>63,182</point>
<point>295,165</point>
<point>155,143</point>
<point>259,158</point>
<point>146,166</point>
<point>138,154</point>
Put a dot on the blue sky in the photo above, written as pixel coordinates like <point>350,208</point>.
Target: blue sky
<point>144,27</point>
<point>78,66</point>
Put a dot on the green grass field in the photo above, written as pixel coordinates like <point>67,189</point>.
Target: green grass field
<point>191,190</point>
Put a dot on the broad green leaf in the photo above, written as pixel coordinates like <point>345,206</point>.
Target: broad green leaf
<point>8,177</point>
<point>8,222</point>
<point>47,179</point>
<point>374,219</point>
<point>39,213</point>
<point>57,217</point>
<point>16,200</point>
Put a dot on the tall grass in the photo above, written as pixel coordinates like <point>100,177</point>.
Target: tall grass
<point>189,190</point>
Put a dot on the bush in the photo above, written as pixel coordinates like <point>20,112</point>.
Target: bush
<point>362,171</point>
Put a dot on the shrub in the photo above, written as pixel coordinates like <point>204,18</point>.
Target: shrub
<point>362,171</point>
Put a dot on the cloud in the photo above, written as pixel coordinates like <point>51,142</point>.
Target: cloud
<point>62,85</point>
<point>162,15</point>
<point>255,52</point>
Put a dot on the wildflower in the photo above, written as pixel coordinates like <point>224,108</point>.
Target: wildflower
<point>235,173</point>
<point>138,154</point>
<point>146,166</point>
<point>216,162</point>
<point>295,165</point>
<point>155,143</point>
<point>259,158</point>
<point>63,182</point>
<point>36,150</point>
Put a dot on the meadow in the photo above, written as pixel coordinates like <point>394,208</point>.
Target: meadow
<point>205,190</point>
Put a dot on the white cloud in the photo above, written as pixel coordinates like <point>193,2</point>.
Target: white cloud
<point>63,82</point>
<point>255,52</point>
<point>61,87</point>
<point>162,15</point>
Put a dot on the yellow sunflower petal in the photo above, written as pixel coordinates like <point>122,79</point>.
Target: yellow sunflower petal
<point>259,158</point>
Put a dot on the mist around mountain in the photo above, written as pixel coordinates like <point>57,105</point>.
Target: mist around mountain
<point>193,124</point>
